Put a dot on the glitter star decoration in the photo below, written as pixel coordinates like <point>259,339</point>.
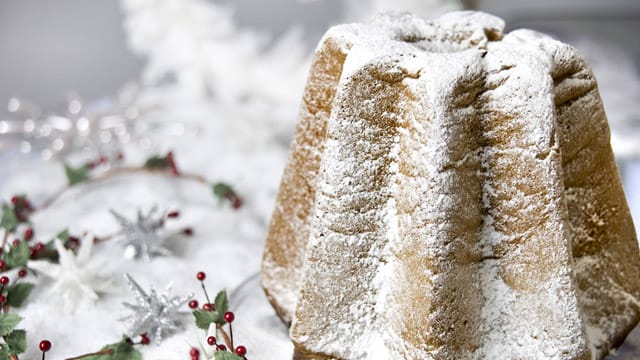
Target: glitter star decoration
<point>75,277</point>
<point>144,237</point>
<point>154,314</point>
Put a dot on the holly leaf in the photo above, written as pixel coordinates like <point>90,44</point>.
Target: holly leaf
<point>156,162</point>
<point>222,304</point>
<point>4,352</point>
<point>18,255</point>
<point>205,318</point>
<point>49,251</point>
<point>122,350</point>
<point>8,322</point>
<point>9,221</point>
<point>222,190</point>
<point>16,341</point>
<point>77,175</point>
<point>18,293</point>
<point>62,235</point>
<point>226,355</point>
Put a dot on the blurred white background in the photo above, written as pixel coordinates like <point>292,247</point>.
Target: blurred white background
<point>51,48</point>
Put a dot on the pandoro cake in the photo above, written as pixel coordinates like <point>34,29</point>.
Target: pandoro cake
<point>451,193</point>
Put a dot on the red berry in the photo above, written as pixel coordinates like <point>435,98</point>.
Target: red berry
<point>15,242</point>
<point>221,347</point>
<point>144,339</point>
<point>241,350</point>
<point>172,163</point>
<point>28,234</point>
<point>45,345</point>
<point>187,231</point>
<point>173,214</point>
<point>3,265</point>
<point>236,202</point>
<point>194,352</point>
<point>229,316</point>
<point>207,307</point>
<point>3,299</point>
<point>39,247</point>
<point>193,304</point>
<point>22,272</point>
<point>15,200</point>
<point>4,280</point>
<point>201,275</point>
<point>211,340</point>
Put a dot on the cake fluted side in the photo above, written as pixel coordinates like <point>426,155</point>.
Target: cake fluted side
<point>350,222</point>
<point>530,306</point>
<point>604,243</point>
<point>289,229</point>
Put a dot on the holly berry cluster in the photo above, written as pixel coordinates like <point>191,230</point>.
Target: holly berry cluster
<point>82,173</point>
<point>225,192</point>
<point>166,162</point>
<point>12,294</point>
<point>14,255</point>
<point>104,159</point>
<point>216,313</point>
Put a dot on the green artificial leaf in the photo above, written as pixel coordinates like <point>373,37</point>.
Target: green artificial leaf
<point>221,302</point>
<point>226,355</point>
<point>18,255</point>
<point>4,352</point>
<point>222,190</point>
<point>9,221</point>
<point>122,350</point>
<point>156,162</point>
<point>18,293</point>
<point>77,175</point>
<point>16,341</point>
<point>205,318</point>
<point>49,251</point>
<point>62,235</point>
<point>8,322</point>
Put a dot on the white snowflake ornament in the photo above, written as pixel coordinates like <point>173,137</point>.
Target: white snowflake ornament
<point>76,276</point>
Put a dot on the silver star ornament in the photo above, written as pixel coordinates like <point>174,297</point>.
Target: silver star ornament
<point>153,314</point>
<point>144,237</point>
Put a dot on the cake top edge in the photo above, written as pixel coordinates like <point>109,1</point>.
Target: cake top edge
<point>451,32</point>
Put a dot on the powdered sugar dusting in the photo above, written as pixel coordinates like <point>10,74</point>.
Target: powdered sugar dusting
<point>444,221</point>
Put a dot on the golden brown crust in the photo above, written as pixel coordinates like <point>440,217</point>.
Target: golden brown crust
<point>288,231</point>
<point>604,243</point>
